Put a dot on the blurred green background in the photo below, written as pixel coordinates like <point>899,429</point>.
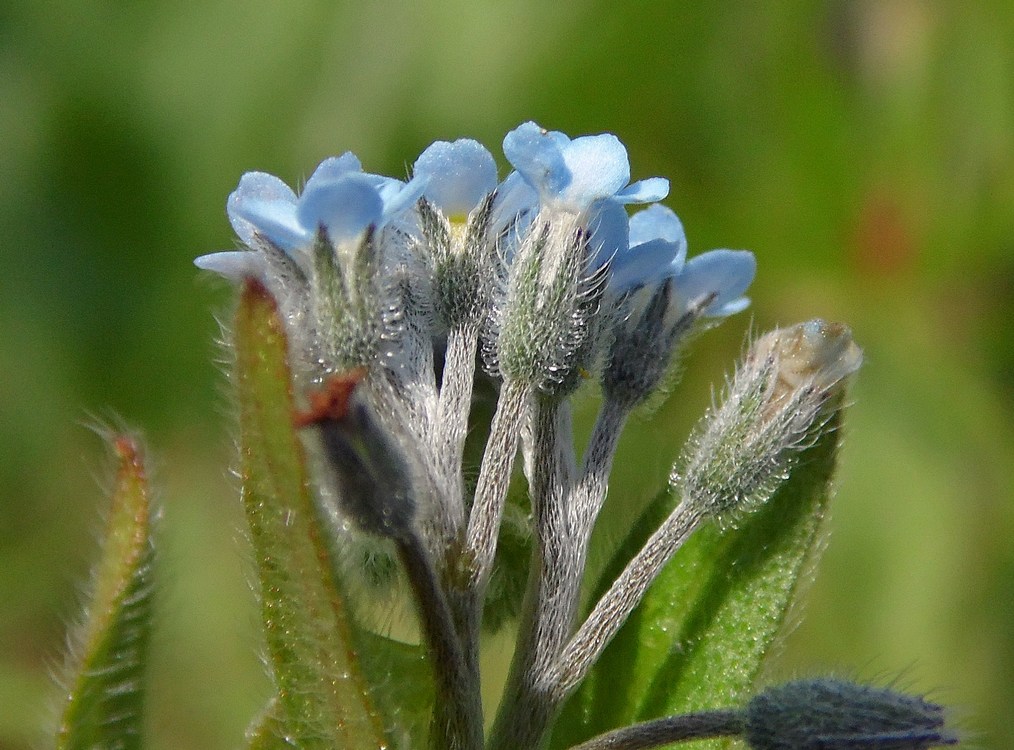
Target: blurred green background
<point>863,149</point>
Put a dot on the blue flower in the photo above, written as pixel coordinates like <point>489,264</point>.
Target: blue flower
<point>339,198</point>
<point>575,174</point>
<point>458,175</point>
<point>658,250</point>
<point>608,232</point>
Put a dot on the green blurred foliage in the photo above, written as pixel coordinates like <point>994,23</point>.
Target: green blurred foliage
<point>862,148</point>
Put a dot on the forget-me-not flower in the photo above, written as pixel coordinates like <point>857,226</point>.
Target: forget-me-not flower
<point>339,199</point>
<point>658,251</point>
<point>574,174</point>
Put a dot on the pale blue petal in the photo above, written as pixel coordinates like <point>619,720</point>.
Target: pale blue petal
<point>598,168</point>
<point>334,167</point>
<point>562,140</point>
<point>644,191</point>
<point>274,220</point>
<point>608,232</point>
<point>730,308</point>
<point>343,207</point>
<point>657,222</point>
<point>645,264</point>
<point>263,203</point>
<point>233,264</point>
<point>397,196</point>
<point>725,273</point>
<point>460,175</point>
<point>537,155</point>
<point>514,197</point>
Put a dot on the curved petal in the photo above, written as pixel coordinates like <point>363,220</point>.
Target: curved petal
<point>658,222</point>
<point>263,203</point>
<point>598,169</point>
<point>233,264</point>
<point>343,207</point>
<point>536,154</point>
<point>725,273</point>
<point>645,264</point>
<point>608,232</point>
<point>460,175</point>
<point>644,191</point>
<point>334,167</point>
<point>514,197</point>
<point>397,196</point>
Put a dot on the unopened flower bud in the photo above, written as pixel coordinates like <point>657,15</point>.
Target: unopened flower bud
<point>373,477</point>
<point>826,714</point>
<point>815,354</point>
<point>645,341</point>
<point>779,399</point>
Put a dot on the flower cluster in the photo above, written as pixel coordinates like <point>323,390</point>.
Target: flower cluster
<point>544,262</point>
<point>392,290</point>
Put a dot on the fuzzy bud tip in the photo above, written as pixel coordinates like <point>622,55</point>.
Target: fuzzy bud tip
<point>827,714</point>
<point>814,353</point>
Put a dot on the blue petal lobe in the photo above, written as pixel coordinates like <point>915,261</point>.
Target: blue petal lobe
<point>656,222</point>
<point>334,167</point>
<point>608,232</point>
<point>263,203</point>
<point>598,168</point>
<point>645,264</point>
<point>397,197</point>
<point>536,154</point>
<point>343,207</point>
<point>725,273</point>
<point>514,197</point>
<point>233,264</point>
<point>460,175</point>
<point>644,191</point>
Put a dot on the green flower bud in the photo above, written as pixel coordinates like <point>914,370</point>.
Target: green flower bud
<point>781,396</point>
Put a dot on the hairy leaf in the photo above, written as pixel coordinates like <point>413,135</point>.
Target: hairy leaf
<point>267,732</point>
<point>402,684</point>
<point>106,691</point>
<point>323,695</point>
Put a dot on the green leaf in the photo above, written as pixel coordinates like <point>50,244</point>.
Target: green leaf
<point>699,638</point>
<point>311,643</point>
<point>106,696</point>
<point>402,680</point>
<point>402,684</point>
<point>267,732</point>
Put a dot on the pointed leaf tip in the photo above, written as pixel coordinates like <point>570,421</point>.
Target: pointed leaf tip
<point>255,289</point>
<point>106,668</point>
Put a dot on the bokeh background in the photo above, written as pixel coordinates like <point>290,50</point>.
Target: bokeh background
<point>864,149</point>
